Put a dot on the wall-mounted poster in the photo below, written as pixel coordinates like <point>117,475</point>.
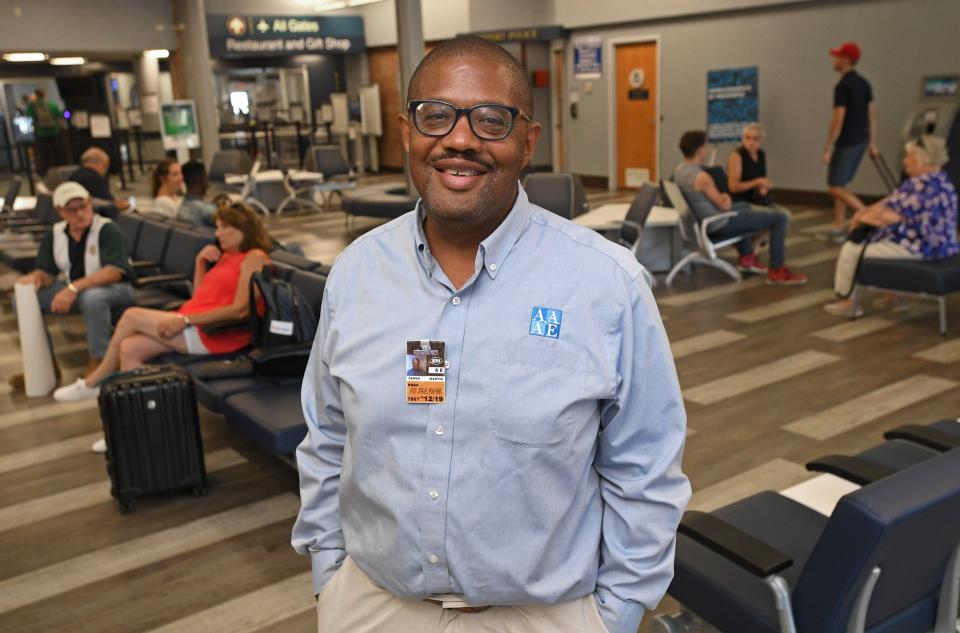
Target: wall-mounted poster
<point>587,57</point>
<point>732,102</point>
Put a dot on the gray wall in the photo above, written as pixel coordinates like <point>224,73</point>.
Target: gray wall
<point>580,13</point>
<point>491,15</point>
<point>88,25</point>
<point>901,40</point>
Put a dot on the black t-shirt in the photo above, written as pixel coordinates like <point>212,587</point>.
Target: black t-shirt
<point>92,182</point>
<point>853,92</point>
<point>750,169</point>
<point>78,267</point>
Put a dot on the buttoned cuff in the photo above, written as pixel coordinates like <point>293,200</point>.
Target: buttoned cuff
<point>325,565</point>
<point>619,616</point>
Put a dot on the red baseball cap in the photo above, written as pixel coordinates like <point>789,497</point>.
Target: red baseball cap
<point>849,50</point>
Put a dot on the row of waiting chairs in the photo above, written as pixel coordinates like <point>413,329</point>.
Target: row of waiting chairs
<point>887,559</point>
<point>264,406</point>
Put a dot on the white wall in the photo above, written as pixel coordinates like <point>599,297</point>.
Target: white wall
<point>578,13</point>
<point>87,26</point>
<point>901,40</point>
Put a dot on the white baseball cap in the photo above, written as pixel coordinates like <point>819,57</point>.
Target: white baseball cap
<point>68,191</point>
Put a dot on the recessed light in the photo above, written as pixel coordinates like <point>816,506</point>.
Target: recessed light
<point>67,61</point>
<point>157,53</point>
<point>25,57</point>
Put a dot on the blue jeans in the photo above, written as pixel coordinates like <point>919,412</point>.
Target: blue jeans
<point>97,305</point>
<point>749,221</point>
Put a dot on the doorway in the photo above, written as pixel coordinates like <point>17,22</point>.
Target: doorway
<point>638,125</point>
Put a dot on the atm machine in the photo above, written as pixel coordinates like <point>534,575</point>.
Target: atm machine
<point>936,113</point>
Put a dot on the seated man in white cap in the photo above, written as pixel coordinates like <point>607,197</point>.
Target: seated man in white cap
<point>82,267</point>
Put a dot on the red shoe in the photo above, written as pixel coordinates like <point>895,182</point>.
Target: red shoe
<point>783,276</point>
<point>750,264</point>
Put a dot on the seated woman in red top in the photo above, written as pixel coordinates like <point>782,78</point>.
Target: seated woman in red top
<point>220,294</point>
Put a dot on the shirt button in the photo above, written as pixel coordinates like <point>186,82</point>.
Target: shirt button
<point>434,494</point>
<point>492,267</point>
<point>439,430</point>
<point>455,301</point>
<point>433,558</point>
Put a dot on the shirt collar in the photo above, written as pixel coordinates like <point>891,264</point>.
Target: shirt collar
<point>495,248</point>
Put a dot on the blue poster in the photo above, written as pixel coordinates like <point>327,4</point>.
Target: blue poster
<point>731,102</point>
<point>587,58</point>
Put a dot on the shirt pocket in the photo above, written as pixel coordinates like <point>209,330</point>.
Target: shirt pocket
<point>534,388</point>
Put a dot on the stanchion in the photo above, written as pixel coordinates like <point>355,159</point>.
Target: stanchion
<point>126,141</point>
<point>300,151</point>
<point>116,147</point>
<point>136,137</point>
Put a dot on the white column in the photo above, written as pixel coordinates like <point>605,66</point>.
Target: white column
<point>195,50</point>
<point>148,84</point>
<point>411,50</point>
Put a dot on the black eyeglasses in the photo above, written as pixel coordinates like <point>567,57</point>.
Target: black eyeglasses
<point>488,121</point>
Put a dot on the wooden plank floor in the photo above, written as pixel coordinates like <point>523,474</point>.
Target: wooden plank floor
<point>772,381</point>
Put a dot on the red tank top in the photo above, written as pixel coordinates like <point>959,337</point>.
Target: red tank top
<point>217,289</point>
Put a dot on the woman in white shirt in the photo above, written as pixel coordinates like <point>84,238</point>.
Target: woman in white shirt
<point>167,187</point>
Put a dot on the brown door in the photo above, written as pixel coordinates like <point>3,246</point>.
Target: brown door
<point>636,66</point>
<point>558,114</point>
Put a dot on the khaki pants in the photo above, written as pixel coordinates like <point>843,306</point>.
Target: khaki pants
<point>843,277</point>
<point>351,603</point>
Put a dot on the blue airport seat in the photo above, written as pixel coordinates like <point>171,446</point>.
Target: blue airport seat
<point>903,527</point>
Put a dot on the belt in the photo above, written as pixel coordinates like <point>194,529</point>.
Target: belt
<point>439,603</point>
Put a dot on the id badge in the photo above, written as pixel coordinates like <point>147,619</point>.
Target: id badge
<point>426,372</point>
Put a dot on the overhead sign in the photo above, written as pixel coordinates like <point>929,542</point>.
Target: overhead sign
<point>587,58</point>
<point>732,102</point>
<point>273,35</point>
<point>531,34</point>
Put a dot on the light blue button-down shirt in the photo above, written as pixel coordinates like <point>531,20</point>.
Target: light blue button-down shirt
<point>551,471</point>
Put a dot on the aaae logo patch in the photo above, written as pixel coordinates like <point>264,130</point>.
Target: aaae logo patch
<point>546,322</point>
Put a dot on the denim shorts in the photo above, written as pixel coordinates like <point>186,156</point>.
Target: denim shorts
<point>844,163</point>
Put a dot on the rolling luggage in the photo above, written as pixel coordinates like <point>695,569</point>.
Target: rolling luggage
<point>152,430</point>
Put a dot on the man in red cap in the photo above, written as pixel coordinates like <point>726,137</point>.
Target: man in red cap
<point>853,129</point>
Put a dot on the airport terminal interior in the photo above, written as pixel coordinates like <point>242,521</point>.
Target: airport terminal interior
<point>820,379</point>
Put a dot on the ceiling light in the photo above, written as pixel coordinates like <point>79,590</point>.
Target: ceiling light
<point>357,3</point>
<point>67,61</point>
<point>157,53</point>
<point>25,57</point>
<point>330,6</point>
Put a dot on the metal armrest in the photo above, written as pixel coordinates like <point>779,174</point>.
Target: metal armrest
<point>740,548</point>
<point>853,469</point>
<point>924,436</point>
<point>144,263</point>
<point>704,223</point>
<point>153,280</point>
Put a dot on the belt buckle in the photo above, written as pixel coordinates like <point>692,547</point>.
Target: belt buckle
<point>464,609</point>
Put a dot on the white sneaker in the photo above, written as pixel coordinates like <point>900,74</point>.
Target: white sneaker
<point>100,446</point>
<point>76,392</point>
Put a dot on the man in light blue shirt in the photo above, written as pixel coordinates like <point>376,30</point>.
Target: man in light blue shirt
<point>531,481</point>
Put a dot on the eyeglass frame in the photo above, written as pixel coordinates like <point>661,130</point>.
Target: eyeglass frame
<point>458,112</point>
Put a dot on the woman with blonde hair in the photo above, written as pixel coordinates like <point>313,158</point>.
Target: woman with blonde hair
<point>167,187</point>
<point>221,293</point>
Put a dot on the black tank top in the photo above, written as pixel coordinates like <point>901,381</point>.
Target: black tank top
<point>750,169</point>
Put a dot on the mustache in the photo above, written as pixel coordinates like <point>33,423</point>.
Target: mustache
<point>469,155</point>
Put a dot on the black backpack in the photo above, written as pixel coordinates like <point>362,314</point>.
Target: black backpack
<point>288,317</point>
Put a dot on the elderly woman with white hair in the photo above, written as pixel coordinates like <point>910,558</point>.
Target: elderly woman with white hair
<point>918,221</point>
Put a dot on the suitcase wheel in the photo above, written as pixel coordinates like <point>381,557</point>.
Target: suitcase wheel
<point>200,491</point>
<point>126,507</point>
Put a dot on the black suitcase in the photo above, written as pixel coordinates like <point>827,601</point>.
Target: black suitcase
<point>152,430</point>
